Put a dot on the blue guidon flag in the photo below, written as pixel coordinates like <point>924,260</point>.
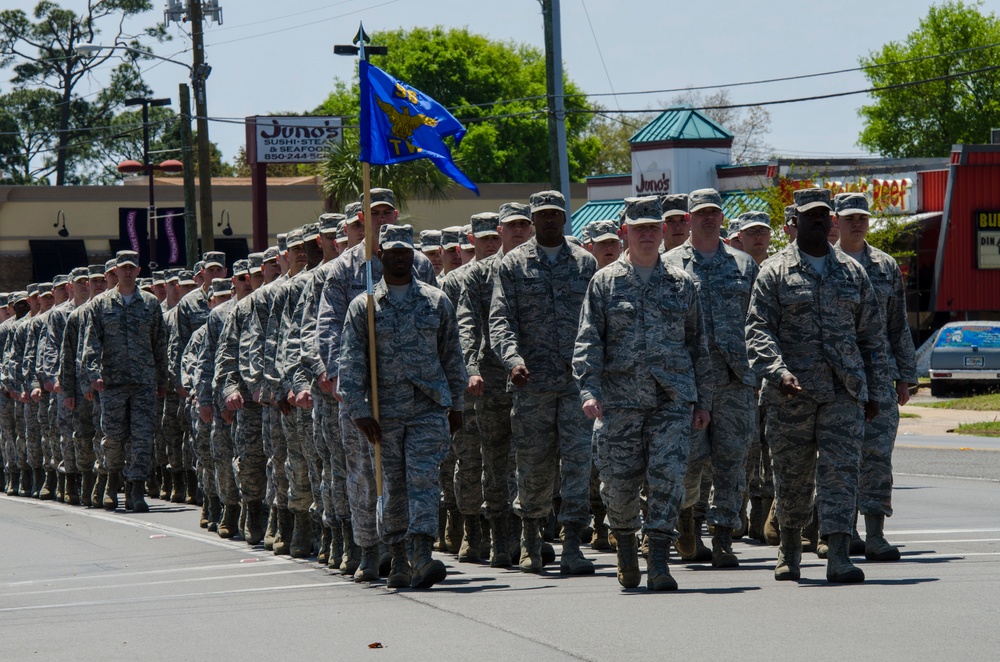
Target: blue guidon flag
<point>399,123</point>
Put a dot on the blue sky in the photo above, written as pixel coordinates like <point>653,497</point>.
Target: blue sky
<point>278,56</point>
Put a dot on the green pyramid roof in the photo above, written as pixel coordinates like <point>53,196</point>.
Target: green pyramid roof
<point>680,123</point>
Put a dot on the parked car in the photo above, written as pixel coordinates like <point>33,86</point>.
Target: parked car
<point>965,354</point>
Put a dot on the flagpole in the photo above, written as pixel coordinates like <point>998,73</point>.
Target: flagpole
<point>373,364</point>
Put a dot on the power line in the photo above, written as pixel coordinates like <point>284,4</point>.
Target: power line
<point>599,53</point>
<point>269,20</point>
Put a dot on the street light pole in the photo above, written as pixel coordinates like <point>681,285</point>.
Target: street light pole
<point>148,167</point>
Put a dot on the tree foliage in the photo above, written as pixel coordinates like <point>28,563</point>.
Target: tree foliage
<point>495,88</point>
<point>749,126</point>
<point>928,118</point>
<point>41,48</point>
<point>612,132</point>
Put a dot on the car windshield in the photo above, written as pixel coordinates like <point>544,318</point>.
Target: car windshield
<point>985,337</point>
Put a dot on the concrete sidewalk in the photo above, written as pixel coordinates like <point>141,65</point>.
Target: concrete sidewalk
<point>940,421</point>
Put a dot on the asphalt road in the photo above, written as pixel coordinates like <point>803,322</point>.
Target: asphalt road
<point>79,584</point>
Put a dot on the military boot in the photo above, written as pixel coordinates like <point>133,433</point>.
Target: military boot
<point>839,569</point>
<point>368,567</point>
<point>191,483</point>
<point>214,513</point>
<point>453,532</point>
<point>301,546</point>
<point>139,504</point>
<point>87,480</point>
<point>499,556</point>
<point>427,570</point>
<point>572,561</point>
<point>439,544</point>
<point>722,549</point>
<point>789,555</point>
<point>685,543</point>
<point>100,486</point>
<point>27,478</point>
<point>335,554</point>
<point>628,559</point>
<point>283,536</point>
<point>599,540</point>
<point>399,572</point>
<point>470,552</point>
<point>702,553</point>
<point>272,528</point>
<point>857,545</point>
<point>657,572</point>
<point>153,484</point>
<point>644,546</point>
<point>166,483</point>
<point>242,526</point>
<point>531,545</point>
<point>352,551</point>
<point>255,522</point>
<point>14,479</point>
<point>60,487</point>
<point>810,534</point>
<point>484,538</point>
<point>205,516</point>
<point>72,495</point>
<point>112,483</point>
<point>128,495</point>
<point>877,548</point>
<point>744,519</point>
<point>229,526</point>
<point>178,491</point>
<point>384,559</point>
<point>325,536</point>
<point>772,532</point>
<point>40,484</point>
<point>755,524</point>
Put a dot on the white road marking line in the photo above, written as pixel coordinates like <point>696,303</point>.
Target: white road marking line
<point>160,583</point>
<point>125,574</point>
<point>944,542</point>
<point>179,596</point>
<point>930,532</point>
<point>981,480</point>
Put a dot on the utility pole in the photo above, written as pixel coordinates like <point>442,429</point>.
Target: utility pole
<point>559,172</point>
<point>200,72</point>
<point>190,215</point>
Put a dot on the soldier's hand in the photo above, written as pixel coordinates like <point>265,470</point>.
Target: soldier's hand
<point>455,421</point>
<point>227,416</point>
<point>284,407</point>
<point>871,410</point>
<point>69,403</point>
<point>476,385</point>
<point>700,419</point>
<point>50,386</point>
<point>36,394</point>
<point>205,413</point>
<point>336,394</point>
<point>290,397</point>
<point>234,402</point>
<point>98,385</point>
<point>790,386</point>
<point>519,375</point>
<point>181,391</point>
<point>370,428</point>
<point>325,384</point>
<point>58,388</point>
<point>304,400</point>
<point>902,393</point>
<point>89,396</point>
<point>592,408</point>
<point>256,395</point>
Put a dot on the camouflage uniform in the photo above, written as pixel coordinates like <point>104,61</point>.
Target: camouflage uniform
<point>421,377</point>
<point>71,380</point>
<point>201,432</point>
<point>641,352</point>
<point>50,348</point>
<point>533,322</point>
<point>126,347</point>
<point>8,430</point>
<point>826,330</point>
<point>220,435</point>
<point>345,281</point>
<point>723,285</point>
<point>172,422</point>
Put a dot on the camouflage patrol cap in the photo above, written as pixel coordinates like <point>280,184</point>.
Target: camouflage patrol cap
<point>789,214</point>
<point>45,289</point>
<point>643,210</point>
<point>328,223</point>
<point>254,260</point>
<point>60,279</point>
<point>514,211</point>
<point>547,200</point>
<point>395,236</point>
<point>18,297</point>
<point>159,277</point>
<point>450,237</point>
<point>5,299</point>
<point>186,277</point>
<point>95,270</point>
<point>294,238</point>
<point>32,289</point>
<point>146,284</point>
<point>221,286</point>
<point>463,239</point>
<point>173,275</point>
<point>380,196</point>
<point>704,198</point>
<point>110,265</point>
<point>127,257</point>
<point>812,198</point>
<point>351,210</point>
<point>216,258</point>
<point>750,219</point>
<point>674,205</point>
<point>733,228</point>
<point>310,231</point>
<point>271,254</point>
<point>283,242</point>
<point>199,266</point>
<point>430,240</point>
<point>241,267</point>
<point>484,224</point>
<point>342,232</point>
<point>79,273</point>
<point>851,203</point>
<point>602,231</point>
